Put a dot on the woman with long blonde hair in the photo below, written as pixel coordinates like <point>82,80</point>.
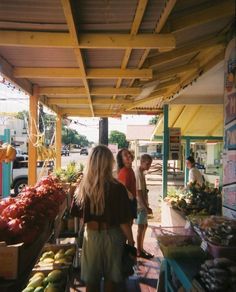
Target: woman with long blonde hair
<point>106,214</point>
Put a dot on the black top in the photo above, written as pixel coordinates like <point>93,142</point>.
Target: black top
<point>117,206</point>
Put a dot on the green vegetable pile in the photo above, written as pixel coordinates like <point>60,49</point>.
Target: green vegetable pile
<point>196,200</point>
<point>71,174</point>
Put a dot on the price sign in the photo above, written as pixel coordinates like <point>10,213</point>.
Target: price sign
<point>174,143</point>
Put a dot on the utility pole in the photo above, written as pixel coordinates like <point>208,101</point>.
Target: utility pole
<point>103,131</point>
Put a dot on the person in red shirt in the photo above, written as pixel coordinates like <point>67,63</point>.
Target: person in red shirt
<point>126,176</point>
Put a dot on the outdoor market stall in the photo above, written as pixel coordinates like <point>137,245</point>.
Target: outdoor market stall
<point>102,59</point>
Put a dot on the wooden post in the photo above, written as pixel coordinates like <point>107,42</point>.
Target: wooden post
<point>32,150</point>
<point>58,141</point>
<point>165,151</point>
<point>103,131</point>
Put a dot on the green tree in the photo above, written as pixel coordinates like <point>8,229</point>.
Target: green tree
<point>153,120</point>
<point>69,136</point>
<point>119,138</point>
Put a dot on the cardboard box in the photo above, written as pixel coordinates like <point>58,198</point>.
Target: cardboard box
<point>18,259</point>
<point>9,258</point>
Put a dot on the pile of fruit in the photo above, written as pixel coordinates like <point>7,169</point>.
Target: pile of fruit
<point>73,173</point>
<point>219,230</point>
<point>197,200</point>
<point>23,218</point>
<point>7,153</point>
<point>55,281</point>
<point>46,153</point>
<point>219,275</point>
<point>62,257</point>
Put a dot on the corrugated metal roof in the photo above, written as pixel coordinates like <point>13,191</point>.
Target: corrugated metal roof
<point>103,58</point>
<point>152,14</point>
<point>102,82</point>
<point>190,34</point>
<point>39,57</point>
<point>56,82</point>
<point>31,11</point>
<point>102,15</point>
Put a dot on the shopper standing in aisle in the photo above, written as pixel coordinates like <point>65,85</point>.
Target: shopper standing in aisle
<point>126,176</point>
<point>195,175</point>
<point>106,214</point>
<point>143,206</point>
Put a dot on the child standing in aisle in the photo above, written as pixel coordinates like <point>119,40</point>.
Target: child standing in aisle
<point>143,206</point>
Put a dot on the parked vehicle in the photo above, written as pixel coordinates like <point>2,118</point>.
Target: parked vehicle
<point>20,173</point>
<point>84,151</point>
<point>65,151</point>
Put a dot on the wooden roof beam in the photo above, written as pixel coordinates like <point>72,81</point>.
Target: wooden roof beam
<point>218,9</point>
<point>160,24</point>
<point>86,41</point>
<point>192,47</point>
<point>175,70</point>
<point>75,112</point>
<point>104,73</point>
<point>80,91</point>
<point>142,4</point>
<point>84,101</point>
<point>73,30</point>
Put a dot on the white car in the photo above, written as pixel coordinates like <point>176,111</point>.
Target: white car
<point>20,172</point>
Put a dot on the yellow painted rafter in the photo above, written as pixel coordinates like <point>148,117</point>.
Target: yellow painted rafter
<point>190,48</point>
<point>134,30</point>
<point>84,101</point>
<point>86,41</point>
<point>103,73</point>
<point>80,91</point>
<point>218,9</point>
<point>73,30</point>
<point>160,24</point>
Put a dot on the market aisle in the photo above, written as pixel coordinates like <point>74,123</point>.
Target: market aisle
<point>147,273</point>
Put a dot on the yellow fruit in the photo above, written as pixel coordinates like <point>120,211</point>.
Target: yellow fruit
<point>37,275</point>
<point>48,260</point>
<point>36,282</point>
<point>70,252</point>
<point>59,256</point>
<point>55,276</point>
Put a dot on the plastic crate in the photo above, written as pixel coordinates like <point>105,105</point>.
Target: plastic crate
<point>219,251</point>
<point>168,237</point>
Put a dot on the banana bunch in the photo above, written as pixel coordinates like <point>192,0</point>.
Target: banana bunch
<point>7,153</point>
<point>46,153</point>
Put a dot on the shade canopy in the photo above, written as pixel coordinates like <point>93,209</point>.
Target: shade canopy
<point>107,58</point>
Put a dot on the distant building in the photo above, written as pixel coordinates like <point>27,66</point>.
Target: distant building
<point>139,139</point>
<point>18,131</point>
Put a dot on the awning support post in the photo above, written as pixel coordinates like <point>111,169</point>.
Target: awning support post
<point>58,140</point>
<point>187,153</point>
<point>165,150</point>
<point>33,124</point>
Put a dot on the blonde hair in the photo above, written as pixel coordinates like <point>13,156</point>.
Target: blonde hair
<point>98,174</point>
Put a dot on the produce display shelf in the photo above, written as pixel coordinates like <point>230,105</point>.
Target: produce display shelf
<point>18,284</point>
<point>185,270</point>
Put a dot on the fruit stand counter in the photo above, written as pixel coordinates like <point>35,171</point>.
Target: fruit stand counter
<point>185,270</point>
